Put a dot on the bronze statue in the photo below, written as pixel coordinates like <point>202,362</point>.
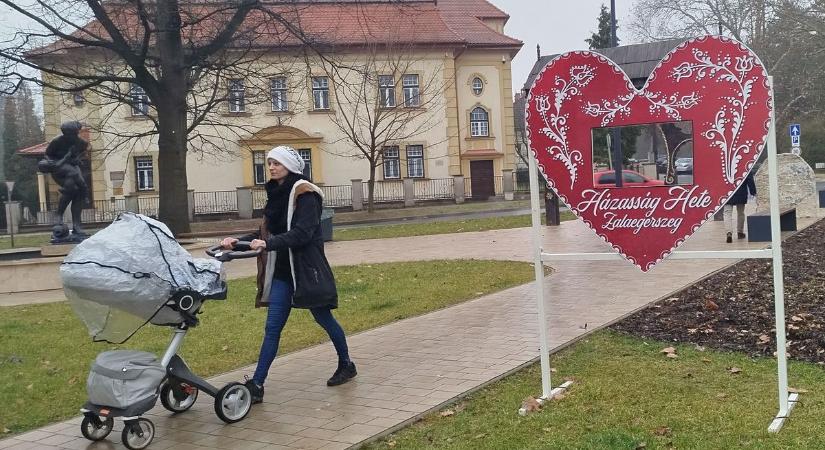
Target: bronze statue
<point>63,156</point>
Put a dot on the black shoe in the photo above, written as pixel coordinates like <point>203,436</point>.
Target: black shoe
<point>255,390</point>
<point>729,239</point>
<point>344,373</point>
<point>740,235</point>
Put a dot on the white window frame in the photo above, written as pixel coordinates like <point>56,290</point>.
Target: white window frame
<point>144,173</point>
<point>479,125</point>
<point>259,167</point>
<point>386,91</point>
<point>392,162</point>
<point>478,86</point>
<point>415,161</point>
<point>237,95</point>
<point>139,99</point>
<point>278,92</point>
<point>320,93</point>
<point>412,90</point>
<point>306,155</point>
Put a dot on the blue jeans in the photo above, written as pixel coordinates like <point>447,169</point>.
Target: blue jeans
<point>280,305</point>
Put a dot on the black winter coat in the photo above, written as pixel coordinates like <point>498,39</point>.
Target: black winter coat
<point>740,197</point>
<point>313,281</point>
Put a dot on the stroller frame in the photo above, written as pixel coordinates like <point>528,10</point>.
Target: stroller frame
<point>178,390</point>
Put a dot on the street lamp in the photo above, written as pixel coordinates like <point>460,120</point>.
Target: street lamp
<point>10,215</point>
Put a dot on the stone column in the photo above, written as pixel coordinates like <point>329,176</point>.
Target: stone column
<point>13,217</point>
<point>190,201</point>
<point>357,195</point>
<point>245,206</point>
<point>409,192</point>
<point>507,183</point>
<point>41,192</point>
<point>132,204</point>
<point>458,188</point>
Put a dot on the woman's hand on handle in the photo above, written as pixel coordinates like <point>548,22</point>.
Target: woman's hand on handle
<point>229,243</point>
<point>257,244</point>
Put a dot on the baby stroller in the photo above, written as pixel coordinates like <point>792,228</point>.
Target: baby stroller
<point>129,274</point>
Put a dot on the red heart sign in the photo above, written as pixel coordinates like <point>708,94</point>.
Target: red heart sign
<point>713,87</point>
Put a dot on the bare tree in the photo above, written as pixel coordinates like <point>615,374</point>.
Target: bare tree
<point>786,34</point>
<point>171,62</point>
<point>383,95</point>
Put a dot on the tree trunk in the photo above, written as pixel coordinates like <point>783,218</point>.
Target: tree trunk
<point>171,109</point>
<point>371,188</point>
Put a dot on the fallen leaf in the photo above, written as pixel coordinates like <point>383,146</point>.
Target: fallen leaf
<point>734,370</point>
<point>797,390</point>
<point>764,338</point>
<point>447,413</point>
<point>672,355</point>
<point>707,360</point>
<point>547,430</point>
<point>721,395</point>
<point>530,404</point>
<point>640,445</point>
<point>6,430</point>
<point>668,350</point>
<point>662,431</point>
<point>797,319</point>
<point>479,436</point>
<point>225,348</point>
<point>692,330</point>
<point>711,305</point>
<point>552,370</point>
<point>699,348</point>
<point>30,387</point>
<point>72,380</point>
<point>391,444</point>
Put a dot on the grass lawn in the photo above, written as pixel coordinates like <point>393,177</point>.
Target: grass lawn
<point>24,240</point>
<point>628,395</point>
<point>421,229</point>
<point>45,350</point>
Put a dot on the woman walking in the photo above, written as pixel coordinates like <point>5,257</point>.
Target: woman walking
<point>293,271</point>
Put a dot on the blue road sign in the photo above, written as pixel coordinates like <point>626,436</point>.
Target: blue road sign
<point>794,141</point>
<point>796,130</point>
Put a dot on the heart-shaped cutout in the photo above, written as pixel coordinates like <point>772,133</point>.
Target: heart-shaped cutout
<point>713,87</point>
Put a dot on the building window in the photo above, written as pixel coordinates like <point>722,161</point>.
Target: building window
<point>411,91</point>
<point>78,99</point>
<point>237,93</point>
<point>478,86</point>
<point>392,163</point>
<point>415,161</point>
<point>278,87</point>
<point>386,91</point>
<point>145,173</point>
<point>320,92</point>
<point>479,123</point>
<point>139,99</point>
<point>306,155</point>
<point>259,167</point>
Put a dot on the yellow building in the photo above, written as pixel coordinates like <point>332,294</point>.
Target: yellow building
<point>455,73</point>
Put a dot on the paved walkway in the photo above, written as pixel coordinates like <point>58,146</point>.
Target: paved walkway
<point>414,366</point>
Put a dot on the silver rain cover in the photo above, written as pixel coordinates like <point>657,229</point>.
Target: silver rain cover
<point>122,277</point>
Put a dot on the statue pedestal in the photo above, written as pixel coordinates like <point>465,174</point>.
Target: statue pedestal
<point>56,249</point>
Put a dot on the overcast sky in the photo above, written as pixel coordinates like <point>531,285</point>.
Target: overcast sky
<point>557,25</point>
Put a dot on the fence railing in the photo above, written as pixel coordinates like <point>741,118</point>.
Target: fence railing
<point>216,202</point>
<point>335,196</point>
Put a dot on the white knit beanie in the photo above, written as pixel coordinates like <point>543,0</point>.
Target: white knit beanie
<point>288,157</point>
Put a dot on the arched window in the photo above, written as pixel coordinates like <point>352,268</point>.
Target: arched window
<point>478,86</point>
<point>479,122</point>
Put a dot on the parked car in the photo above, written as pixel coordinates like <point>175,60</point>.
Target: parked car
<point>684,165</point>
<point>607,179</point>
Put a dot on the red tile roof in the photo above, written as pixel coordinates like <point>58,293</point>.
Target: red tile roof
<point>341,23</point>
<point>34,150</point>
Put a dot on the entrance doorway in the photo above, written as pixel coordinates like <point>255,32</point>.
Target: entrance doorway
<point>482,182</point>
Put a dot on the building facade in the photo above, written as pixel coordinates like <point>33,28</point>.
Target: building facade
<point>456,75</point>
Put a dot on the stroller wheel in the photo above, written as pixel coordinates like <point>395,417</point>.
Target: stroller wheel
<point>138,434</point>
<point>177,396</point>
<point>95,429</point>
<point>233,402</point>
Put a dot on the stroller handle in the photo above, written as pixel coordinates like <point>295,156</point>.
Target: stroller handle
<point>240,250</point>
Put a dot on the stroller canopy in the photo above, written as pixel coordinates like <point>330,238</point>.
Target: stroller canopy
<point>124,275</point>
